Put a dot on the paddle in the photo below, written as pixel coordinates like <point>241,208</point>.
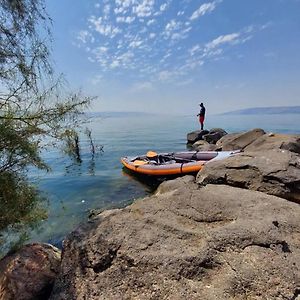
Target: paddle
<point>172,156</point>
<point>152,154</point>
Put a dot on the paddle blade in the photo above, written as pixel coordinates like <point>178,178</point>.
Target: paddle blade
<point>151,154</point>
<point>137,163</point>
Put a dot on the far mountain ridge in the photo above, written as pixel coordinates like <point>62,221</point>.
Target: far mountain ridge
<point>265,110</point>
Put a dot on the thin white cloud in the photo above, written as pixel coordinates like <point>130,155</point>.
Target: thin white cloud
<point>163,7</point>
<point>204,9</point>
<point>150,22</point>
<point>104,28</point>
<point>194,49</point>
<point>144,8</point>
<point>127,19</point>
<point>223,39</point>
<point>167,75</point>
<point>96,80</point>
<point>176,30</point>
<point>106,11</point>
<point>172,25</point>
<point>125,60</point>
<point>172,29</point>
<point>84,36</point>
<point>122,6</point>
<point>115,64</point>
<point>135,43</point>
<point>142,87</point>
<point>185,82</point>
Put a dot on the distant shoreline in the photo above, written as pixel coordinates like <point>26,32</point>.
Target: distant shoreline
<point>265,110</point>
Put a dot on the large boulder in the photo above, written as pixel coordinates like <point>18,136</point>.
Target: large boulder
<point>214,135</point>
<point>276,141</point>
<point>236,141</point>
<point>275,172</point>
<point>195,136</point>
<point>29,273</point>
<point>203,146</point>
<point>186,242</point>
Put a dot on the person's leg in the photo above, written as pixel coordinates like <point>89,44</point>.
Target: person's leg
<point>201,121</point>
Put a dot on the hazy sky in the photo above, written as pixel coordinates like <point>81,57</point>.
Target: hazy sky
<point>167,56</point>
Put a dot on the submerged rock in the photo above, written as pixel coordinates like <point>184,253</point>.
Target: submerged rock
<point>186,242</point>
<point>29,273</point>
<point>275,172</point>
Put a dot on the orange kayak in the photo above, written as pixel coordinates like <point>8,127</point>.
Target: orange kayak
<point>161,164</point>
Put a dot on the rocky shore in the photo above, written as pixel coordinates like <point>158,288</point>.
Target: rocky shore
<point>231,232</point>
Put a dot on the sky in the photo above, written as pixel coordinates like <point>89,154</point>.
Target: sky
<point>168,56</point>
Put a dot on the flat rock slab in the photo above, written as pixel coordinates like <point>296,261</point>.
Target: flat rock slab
<point>186,242</point>
<point>276,141</point>
<point>275,172</point>
<point>238,141</point>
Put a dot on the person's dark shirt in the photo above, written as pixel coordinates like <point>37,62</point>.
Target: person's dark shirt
<point>202,111</point>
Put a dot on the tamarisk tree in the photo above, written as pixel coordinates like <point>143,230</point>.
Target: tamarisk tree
<point>34,106</point>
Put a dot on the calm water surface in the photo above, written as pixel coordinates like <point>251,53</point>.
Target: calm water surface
<point>74,189</point>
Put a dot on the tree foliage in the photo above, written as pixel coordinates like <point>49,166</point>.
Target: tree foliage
<point>34,105</point>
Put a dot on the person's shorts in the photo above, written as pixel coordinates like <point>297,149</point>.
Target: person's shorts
<point>201,119</point>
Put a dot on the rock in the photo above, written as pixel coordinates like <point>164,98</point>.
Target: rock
<point>203,146</point>
<point>214,135</point>
<point>29,273</point>
<point>275,172</point>
<point>186,242</point>
<point>195,136</point>
<point>236,141</point>
<point>276,141</point>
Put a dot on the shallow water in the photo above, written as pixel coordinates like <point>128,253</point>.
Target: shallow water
<point>100,183</point>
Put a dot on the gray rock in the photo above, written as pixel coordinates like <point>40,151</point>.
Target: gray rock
<point>214,135</point>
<point>195,136</point>
<point>236,141</point>
<point>29,273</point>
<point>186,242</point>
<point>275,172</point>
<point>276,141</point>
<point>203,146</point>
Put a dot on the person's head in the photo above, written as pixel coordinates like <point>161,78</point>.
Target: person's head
<point>201,104</point>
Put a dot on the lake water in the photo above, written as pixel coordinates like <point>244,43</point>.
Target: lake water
<point>74,189</point>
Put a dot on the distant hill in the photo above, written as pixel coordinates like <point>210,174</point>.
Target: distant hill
<point>266,110</point>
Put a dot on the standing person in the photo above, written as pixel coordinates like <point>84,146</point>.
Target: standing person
<point>201,115</point>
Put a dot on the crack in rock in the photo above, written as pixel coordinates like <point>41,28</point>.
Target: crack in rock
<point>284,246</point>
<point>106,261</point>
